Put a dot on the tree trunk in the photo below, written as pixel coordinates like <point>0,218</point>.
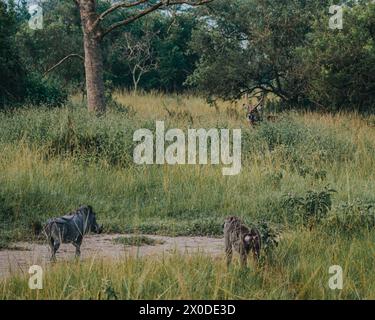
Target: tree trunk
<point>135,90</point>
<point>136,80</point>
<point>93,57</point>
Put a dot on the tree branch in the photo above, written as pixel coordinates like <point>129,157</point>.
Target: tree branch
<point>116,7</point>
<point>133,18</point>
<point>188,2</point>
<point>62,61</point>
<point>140,14</point>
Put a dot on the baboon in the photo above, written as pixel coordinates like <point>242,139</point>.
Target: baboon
<point>242,239</point>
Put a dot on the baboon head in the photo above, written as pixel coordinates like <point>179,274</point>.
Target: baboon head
<point>229,220</point>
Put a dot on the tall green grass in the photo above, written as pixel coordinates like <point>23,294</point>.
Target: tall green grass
<point>53,160</point>
<point>297,269</point>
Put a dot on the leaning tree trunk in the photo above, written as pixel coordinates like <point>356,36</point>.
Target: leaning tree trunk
<point>93,57</point>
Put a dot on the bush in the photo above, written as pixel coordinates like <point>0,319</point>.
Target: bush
<point>311,208</point>
<point>270,236</point>
<point>72,133</point>
<point>42,92</point>
<point>6,212</point>
<point>352,216</point>
<point>298,144</point>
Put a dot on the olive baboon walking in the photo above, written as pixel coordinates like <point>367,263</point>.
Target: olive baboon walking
<point>241,238</point>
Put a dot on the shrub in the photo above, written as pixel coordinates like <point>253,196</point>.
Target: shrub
<point>6,212</point>
<point>270,235</point>
<point>44,92</point>
<point>72,132</point>
<point>351,216</point>
<point>311,208</point>
<point>303,147</point>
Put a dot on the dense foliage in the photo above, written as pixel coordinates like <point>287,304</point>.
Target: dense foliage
<point>287,49</point>
<point>222,50</point>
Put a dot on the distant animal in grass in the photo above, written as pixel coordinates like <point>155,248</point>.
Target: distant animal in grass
<point>241,238</point>
<point>71,228</point>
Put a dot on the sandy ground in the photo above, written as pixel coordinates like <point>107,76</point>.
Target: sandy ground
<point>25,254</point>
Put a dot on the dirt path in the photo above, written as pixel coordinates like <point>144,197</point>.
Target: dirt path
<point>102,246</point>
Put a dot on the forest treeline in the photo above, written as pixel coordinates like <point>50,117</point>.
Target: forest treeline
<point>284,49</point>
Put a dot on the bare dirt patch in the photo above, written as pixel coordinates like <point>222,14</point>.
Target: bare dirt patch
<point>22,255</point>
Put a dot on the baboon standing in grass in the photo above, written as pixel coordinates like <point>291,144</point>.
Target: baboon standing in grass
<point>242,239</point>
